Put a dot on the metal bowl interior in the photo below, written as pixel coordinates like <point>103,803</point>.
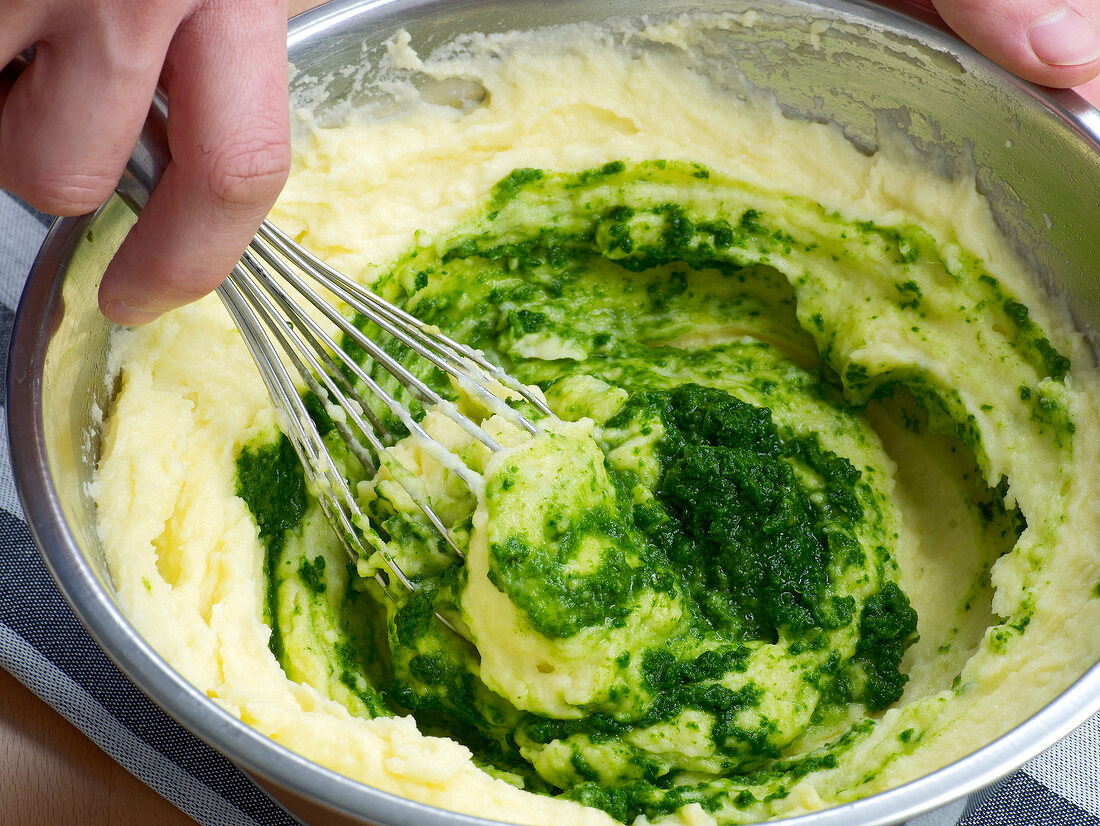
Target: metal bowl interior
<point>874,71</point>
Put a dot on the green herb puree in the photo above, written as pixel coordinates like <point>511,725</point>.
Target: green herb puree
<point>685,590</point>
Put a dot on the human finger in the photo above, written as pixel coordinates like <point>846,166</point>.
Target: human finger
<point>71,118</point>
<point>228,128</point>
<point>1050,42</point>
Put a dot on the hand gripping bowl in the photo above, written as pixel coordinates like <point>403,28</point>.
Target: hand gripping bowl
<point>1038,159</point>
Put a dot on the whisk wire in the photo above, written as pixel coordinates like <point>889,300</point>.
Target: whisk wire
<point>251,313</point>
<point>267,295</point>
<point>440,349</point>
<point>425,394</point>
<point>256,298</point>
<point>342,391</point>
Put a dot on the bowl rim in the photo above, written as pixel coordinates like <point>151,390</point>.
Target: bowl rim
<point>258,755</point>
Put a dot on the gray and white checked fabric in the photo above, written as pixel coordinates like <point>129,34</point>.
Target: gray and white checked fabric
<point>47,649</point>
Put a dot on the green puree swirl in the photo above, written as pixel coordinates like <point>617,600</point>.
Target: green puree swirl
<point>742,596</point>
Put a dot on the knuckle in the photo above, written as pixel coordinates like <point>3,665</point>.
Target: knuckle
<point>251,170</point>
<point>68,194</point>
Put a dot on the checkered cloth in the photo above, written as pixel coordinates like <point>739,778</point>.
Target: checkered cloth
<point>47,649</point>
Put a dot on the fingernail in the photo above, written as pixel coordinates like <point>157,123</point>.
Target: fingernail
<point>1065,38</point>
<point>122,313</point>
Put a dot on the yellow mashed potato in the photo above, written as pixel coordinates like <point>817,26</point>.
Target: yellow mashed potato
<point>1007,605</point>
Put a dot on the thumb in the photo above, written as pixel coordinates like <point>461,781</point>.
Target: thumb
<point>1050,42</point>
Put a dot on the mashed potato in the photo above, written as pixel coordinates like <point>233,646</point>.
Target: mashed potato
<point>817,488</point>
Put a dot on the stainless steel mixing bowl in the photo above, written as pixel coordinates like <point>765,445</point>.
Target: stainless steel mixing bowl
<point>871,69</point>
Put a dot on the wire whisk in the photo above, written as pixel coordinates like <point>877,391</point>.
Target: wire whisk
<point>262,294</point>
<point>267,295</point>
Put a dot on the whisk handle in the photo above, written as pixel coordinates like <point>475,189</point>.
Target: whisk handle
<point>149,159</point>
